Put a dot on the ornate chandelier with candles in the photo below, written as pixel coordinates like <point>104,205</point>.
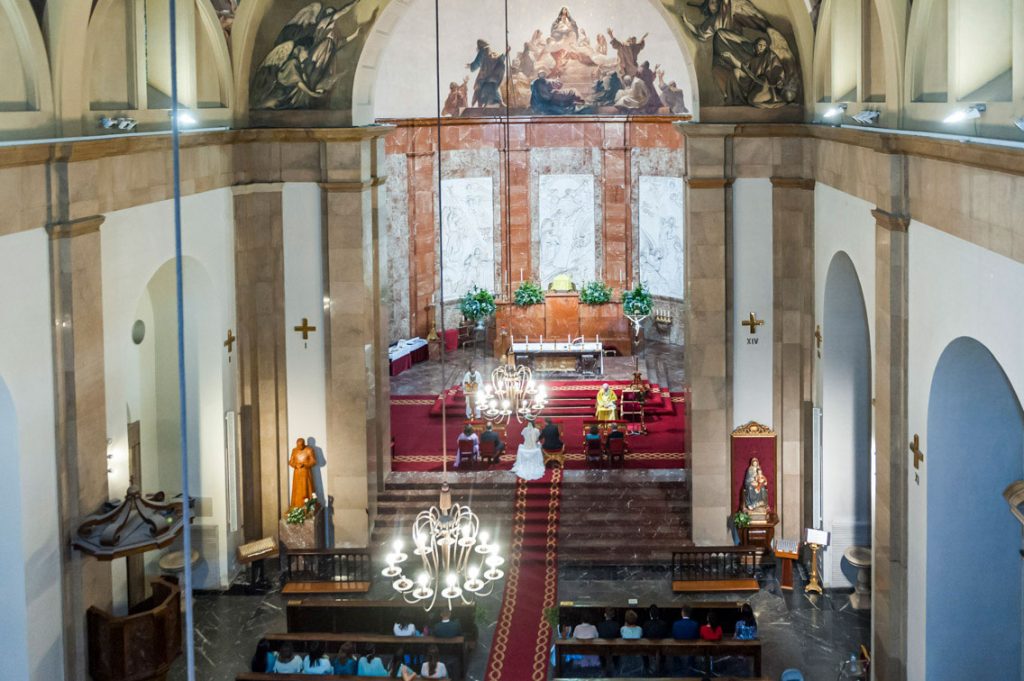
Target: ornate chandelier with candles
<point>452,551</point>
<point>512,392</point>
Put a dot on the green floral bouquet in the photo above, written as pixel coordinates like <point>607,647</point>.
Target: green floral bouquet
<point>741,519</point>
<point>299,514</point>
<point>477,304</point>
<point>637,302</point>
<point>528,293</point>
<point>595,293</point>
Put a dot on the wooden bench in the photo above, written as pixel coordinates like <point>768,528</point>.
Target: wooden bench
<point>606,648</point>
<point>715,568</point>
<point>255,676</point>
<point>726,612</point>
<point>384,645</point>
<point>326,571</point>
<point>339,616</point>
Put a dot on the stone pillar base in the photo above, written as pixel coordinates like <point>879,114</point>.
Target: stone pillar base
<point>307,535</point>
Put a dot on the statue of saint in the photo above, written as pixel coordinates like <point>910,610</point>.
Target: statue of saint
<point>755,490</point>
<point>302,460</point>
<point>605,404</point>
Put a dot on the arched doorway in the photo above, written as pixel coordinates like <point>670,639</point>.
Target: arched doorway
<point>973,595</point>
<point>846,418</point>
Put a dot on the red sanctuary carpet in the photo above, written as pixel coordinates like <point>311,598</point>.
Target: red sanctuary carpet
<point>522,637</point>
<point>416,428</point>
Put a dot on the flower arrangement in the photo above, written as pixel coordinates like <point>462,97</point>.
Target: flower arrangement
<point>477,304</point>
<point>740,519</point>
<point>299,514</point>
<point>595,293</point>
<point>528,293</point>
<point>637,302</point>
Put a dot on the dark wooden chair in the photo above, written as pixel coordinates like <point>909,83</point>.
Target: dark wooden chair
<point>617,449</point>
<point>489,451</point>
<point>594,450</point>
<point>465,453</point>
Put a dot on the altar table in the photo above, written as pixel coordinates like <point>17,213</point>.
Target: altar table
<point>405,353</point>
<point>586,357</point>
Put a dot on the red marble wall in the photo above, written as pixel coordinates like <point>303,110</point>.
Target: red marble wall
<point>616,137</point>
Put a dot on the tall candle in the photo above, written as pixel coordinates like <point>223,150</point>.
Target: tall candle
<point>520,275</point>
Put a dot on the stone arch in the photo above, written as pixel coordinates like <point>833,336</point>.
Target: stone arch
<point>30,109</point>
<point>847,448</point>
<point>975,437</point>
<point>364,84</point>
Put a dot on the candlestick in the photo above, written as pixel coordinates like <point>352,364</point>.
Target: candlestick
<point>520,275</point>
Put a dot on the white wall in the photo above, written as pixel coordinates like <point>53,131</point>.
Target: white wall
<point>30,580</point>
<point>304,297</point>
<point>136,242</point>
<point>956,289</point>
<point>405,71</point>
<point>752,363</point>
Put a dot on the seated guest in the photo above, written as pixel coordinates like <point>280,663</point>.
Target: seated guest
<point>654,626</point>
<point>370,664</point>
<point>684,628</point>
<point>287,661</point>
<point>467,435</point>
<point>609,627</point>
<point>262,659</point>
<point>746,625</point>
<point>631,629</point>
<point>586,630</point>
<point>316,662</point>
<point>404,626</point>
<point>447,627</point>
<point>433,668</point>
<point>398,669</point>
<point>491,436</point>
<point>550,438</point>
<point>711,631</point>
<point>346,663</point>
<point>593,435</point>
<point>615,433</point>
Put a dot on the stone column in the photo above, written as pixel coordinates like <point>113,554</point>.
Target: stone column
<point>889,543</point>
<point>81,426</point>
<point>793,343</point>
<point>263,407</point>
<point>708,224</point>
<point>422,179</point>
<point>617,232</point>
<point>358,409</point>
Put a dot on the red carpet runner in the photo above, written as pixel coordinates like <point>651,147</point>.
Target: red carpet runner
<point>522,639</point>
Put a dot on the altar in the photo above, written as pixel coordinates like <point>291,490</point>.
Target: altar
<point>562,316</point>
<point>579,357</point>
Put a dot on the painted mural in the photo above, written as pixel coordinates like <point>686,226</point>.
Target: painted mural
<point>752,62</point>
<point>566,70</point>
<point>299,71</point>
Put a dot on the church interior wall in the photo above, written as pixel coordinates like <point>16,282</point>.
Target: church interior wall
<point>304,299</point>
<point>30,575</point>
<point>752,286</point>
<point>136,243</point>
<point>956,290</point>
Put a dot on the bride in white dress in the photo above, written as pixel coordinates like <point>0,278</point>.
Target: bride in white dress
<point>529,463</point>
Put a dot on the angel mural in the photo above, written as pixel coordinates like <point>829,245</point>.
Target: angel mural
<point>752,63</point>
<point>298,71</point>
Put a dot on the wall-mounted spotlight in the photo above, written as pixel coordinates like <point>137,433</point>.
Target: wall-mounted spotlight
<point>836,111</point>
<point>973,111</point>
<point>185,117</point>
<point>867,117</point>
<point>1019,122</point>
<point>120,123</point>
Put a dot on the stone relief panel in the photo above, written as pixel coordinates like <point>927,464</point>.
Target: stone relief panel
<point>468,223</point>
<point>398,246</point>
<point>661,235</point>
<point>566,227</point>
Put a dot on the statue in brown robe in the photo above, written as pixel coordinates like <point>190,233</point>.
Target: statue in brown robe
<point>302,460</point>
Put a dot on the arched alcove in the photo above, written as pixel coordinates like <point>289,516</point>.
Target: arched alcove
<point>975,449</point>
<point>846,417</point>
<point>12,570</point>
<point>26,95</point>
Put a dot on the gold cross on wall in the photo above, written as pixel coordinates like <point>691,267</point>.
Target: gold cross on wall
<point>915,447</point>
<point>753,323</point>
<point>305,329</point>
<point>229,343</point>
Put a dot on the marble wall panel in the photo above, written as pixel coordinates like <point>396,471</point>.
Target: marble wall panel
<point>660,250</point>
<point>567,225</point>
<point>396,190</point>
<point>468,228</point>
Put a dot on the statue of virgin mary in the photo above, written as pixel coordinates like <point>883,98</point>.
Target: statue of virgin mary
<point>755,490</point>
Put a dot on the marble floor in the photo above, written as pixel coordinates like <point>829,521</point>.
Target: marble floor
<point>660,363</point>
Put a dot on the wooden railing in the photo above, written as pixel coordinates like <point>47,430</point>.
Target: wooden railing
<point>715,568</point>
<point>327,570</point>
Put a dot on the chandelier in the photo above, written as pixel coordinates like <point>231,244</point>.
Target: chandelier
<point>451,548</point>
<point>512,392</point>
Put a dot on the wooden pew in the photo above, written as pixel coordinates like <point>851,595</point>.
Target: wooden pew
<point>255,676</point>
<point>605,648</point>
<point>338,616</point>
<point>384,644</point>
<point>726,612</point>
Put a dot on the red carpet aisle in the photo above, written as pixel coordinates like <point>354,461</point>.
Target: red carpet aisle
<point>522,638</point>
